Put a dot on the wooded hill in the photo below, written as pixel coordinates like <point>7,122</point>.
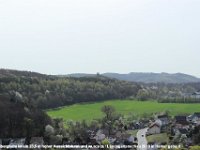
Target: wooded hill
<point>44,91</point>
<point>51,91</point>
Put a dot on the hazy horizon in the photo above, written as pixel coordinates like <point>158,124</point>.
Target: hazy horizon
<point>86,36</point>
<point>100,72</point>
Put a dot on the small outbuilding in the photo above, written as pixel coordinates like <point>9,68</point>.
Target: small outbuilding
<point>155,128</point>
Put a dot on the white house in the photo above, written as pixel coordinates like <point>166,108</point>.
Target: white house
<point>159,122</point>
<point>195,118</point>
<point>154,129</point>
<point>164,119</point>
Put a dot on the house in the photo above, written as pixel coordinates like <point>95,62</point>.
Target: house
<point>195,95</point>
<point>155,128</point>
<point>37,141</point>
<point>159,122</point>
<point>182,131</point>
<point>164,119</point>
<point>18,142</point>
<point>194,118</point>
<point>190,118</point>
<point>181,120</point>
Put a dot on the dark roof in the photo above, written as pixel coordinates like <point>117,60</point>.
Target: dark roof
<point>163,116</point>
<point>196,93</point>
<point>183,131</point>
<point>154,124</point>
<point>181,119</point>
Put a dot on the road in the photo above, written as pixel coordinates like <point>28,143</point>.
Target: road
<point>142,141</point>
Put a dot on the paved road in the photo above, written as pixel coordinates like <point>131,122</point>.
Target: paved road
<point>142,141</point>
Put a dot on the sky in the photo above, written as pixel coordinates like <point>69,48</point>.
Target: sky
<point>90,36</point>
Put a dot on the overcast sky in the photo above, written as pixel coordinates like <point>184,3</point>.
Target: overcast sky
<point>68,36</point>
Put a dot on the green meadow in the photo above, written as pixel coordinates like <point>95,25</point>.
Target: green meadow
<point>89,111</point>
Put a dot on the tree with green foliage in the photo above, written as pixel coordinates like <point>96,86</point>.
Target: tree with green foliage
<point>78,132</point>
<point>106,144</point>
<point>109,118</point>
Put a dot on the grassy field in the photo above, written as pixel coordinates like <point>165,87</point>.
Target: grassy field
<point>158,138</point>
<point>89,111</point>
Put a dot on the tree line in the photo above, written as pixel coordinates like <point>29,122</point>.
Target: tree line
<point>50,92</point>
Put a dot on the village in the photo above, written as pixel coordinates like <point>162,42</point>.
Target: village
<point>181,130</point>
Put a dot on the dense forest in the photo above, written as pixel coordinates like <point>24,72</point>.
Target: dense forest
<point>20,120</point>
<point>45,91</point>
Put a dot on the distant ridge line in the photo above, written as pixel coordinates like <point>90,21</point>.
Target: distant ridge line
<point>146,77</point>
<point>143,77</point>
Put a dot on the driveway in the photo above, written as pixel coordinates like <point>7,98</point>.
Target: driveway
<point>142,141</point>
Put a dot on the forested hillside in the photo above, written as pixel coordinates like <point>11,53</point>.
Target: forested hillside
<point>45,91</point>
<point>48,91</point>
